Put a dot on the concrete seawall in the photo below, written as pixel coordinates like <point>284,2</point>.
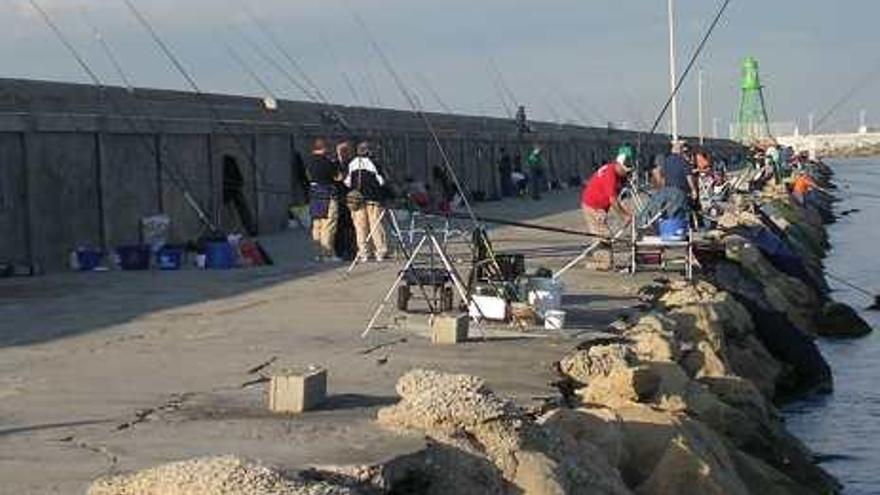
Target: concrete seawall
<point>81,166</point>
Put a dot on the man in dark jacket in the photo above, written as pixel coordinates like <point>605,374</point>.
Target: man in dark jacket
<point>365,202</point>
<point>323,200</point>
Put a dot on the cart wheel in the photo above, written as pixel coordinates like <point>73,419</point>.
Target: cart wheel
<point>447,299</point>
<point>403,296</point>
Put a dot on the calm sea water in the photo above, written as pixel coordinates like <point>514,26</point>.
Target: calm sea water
<point>845,427</point>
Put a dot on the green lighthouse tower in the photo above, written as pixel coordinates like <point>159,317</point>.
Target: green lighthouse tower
<point>752,124</point>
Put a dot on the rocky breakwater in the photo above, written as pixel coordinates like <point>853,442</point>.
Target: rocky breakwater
<point>682,399</point>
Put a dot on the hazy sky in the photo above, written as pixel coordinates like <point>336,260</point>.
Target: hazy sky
<point>593,60</point>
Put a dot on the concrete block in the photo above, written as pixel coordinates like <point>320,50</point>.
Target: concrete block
<point>294,392</point>
<point>450,329</point>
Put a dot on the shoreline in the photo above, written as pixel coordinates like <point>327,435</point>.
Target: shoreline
<point>680,397</point>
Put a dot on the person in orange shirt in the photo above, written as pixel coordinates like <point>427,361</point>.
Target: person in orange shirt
<point>803,184</point>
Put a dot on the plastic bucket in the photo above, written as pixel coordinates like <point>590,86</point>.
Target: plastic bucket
<point>88,259</point>
<point>220,256</point>
<point>135,257</point>
<point>554,319</point>
<point>169,258</point>
<point>673,229</point>
<point>545,294</point>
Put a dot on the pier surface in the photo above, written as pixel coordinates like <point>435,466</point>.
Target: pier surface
<point>105,372</point>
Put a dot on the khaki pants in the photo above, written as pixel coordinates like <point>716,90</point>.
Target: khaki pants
<point>324,230</point>
<point>366,219</point>
<point>597,224</point>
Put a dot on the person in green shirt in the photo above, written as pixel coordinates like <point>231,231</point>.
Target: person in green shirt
<point>535,162</point>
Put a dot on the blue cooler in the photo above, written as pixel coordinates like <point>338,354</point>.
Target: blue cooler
<point>220,256</point>
<point>88,259</point>
<point>674,229</point>
<point>169,258</point>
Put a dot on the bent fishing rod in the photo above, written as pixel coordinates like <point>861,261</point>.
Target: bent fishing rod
<point>99,84</point>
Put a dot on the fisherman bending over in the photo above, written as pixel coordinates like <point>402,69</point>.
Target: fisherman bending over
<point>600,195</point>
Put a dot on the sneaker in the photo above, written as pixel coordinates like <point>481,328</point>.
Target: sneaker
<point>380,259</point>
<point>319,259</point>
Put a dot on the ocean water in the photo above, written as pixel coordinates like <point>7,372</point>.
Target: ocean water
<point>844,428</point>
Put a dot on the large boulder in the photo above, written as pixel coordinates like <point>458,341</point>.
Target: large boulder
<point>840,320</point>
<point>804,369</point>
<point>786,294</point>
<point>460,411</point>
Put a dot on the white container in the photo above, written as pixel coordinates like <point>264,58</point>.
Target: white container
<point>545,294</point>
<point>488,307</point>
<point>554,320</point>
<point>201,261</point>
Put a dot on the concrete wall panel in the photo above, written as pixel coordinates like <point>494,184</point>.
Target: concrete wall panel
<point>13,206</point>
<point>185,167</point>
<point>275,182</point>
<point>130,185</point>
<point>63,181</point>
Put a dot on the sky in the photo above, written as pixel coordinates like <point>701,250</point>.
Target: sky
<point>582,61</point>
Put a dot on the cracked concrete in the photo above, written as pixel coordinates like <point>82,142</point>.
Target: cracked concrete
<point>84,353</point>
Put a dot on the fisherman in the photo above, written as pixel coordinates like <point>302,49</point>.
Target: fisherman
<point>505,169</point>
<point>536,171</point>
<point>600,196</point>
<point>677,172</point>
<point>803,186</point>
<point>323,200</point>
<point>365,201</point>
<point>666,203</point>
<point>346,239</point>
<point>234,197</point>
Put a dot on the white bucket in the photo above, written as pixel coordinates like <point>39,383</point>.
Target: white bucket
<point>544,300</point>
<point>554,319</point>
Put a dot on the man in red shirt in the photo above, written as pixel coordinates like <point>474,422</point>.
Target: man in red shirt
<point>600,195</point>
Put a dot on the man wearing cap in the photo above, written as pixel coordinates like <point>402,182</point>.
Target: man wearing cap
<point>677,172</point>
<point>600,195</point>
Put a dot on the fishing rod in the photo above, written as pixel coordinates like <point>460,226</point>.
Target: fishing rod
<point>502,97</point>
<point>433,92</point>
<point>855,89</point>
<point>450,171</point>
<point>503,83</point>
<point>328,47</point>
<point>248,70</point>
<point>690,66</point>
<point>279,46</point>
<point>105,47</point>
<point>197,90</point>
<point>316,90</point>
<point>96,80</point>
<point>263,55</point>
